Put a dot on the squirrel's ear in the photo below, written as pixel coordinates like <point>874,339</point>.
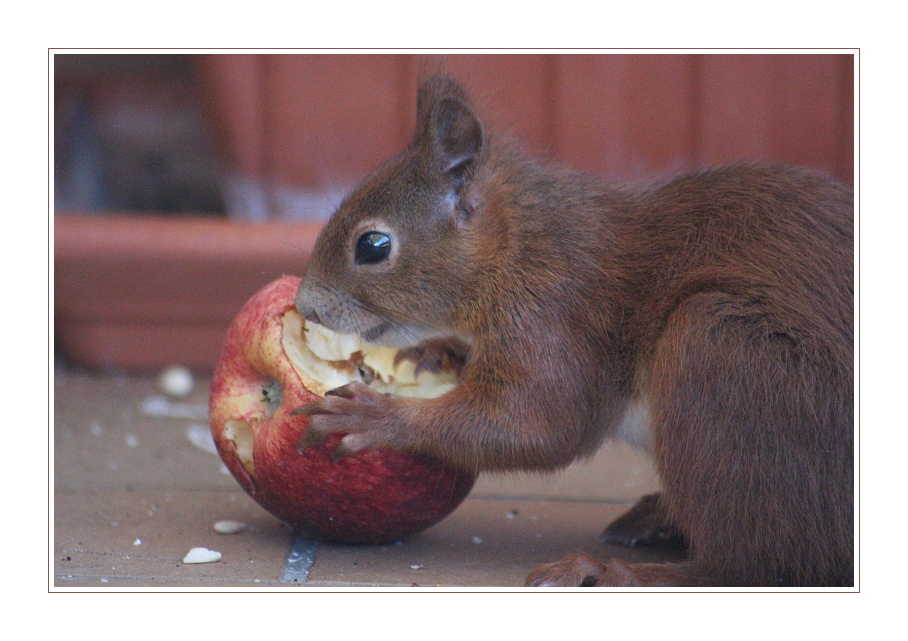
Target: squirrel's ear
<point>456,134</point>
<point>447,128</point>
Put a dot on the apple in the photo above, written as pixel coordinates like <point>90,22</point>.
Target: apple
<point>272,362</point>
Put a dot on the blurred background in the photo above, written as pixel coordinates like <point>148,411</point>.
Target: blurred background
<point>183,183</point>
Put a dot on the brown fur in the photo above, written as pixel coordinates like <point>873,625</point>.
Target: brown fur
<point>722,298</point>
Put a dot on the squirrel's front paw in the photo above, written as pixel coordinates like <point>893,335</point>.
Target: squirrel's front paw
<point>355,409</point>
<point>436,355</point>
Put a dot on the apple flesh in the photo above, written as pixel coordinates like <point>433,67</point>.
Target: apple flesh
<point>272,362</point>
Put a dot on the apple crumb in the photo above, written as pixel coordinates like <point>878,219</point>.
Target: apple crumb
<point>229,527</point>
<point>201,555</point>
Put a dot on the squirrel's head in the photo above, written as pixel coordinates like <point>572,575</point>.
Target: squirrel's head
<point>392,262</point>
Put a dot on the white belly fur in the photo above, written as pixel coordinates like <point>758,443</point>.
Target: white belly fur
<point>635,427</point>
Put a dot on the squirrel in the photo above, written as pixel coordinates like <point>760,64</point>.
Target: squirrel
<point>707,318</point>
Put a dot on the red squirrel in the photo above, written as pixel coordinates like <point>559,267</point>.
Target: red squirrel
<point>707,317</point>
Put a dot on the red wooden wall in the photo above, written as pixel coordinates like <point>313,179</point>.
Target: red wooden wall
<point>319,122</point>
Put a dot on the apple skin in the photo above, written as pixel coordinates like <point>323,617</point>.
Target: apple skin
<point>377,496</point>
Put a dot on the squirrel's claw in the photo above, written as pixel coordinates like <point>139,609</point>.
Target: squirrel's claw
<point>354,409</point>
<point>310,439</point>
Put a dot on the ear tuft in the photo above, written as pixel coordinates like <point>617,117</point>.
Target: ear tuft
<point>432,89</point>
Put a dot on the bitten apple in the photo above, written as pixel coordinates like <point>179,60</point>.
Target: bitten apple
<point>272,362</point>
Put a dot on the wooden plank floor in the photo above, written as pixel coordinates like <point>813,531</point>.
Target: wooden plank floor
<point>137,485</point>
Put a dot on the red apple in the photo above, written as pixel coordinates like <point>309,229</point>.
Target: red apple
<point>375,496</point>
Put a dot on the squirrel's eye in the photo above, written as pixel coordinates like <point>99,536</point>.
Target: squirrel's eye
<point>373,247</point>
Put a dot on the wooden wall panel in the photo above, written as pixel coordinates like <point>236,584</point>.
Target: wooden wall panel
<point>330,118</point>
<point>318,123</point>
<point>784,108</point>
<point>624,116</point>
<point>846,151</point>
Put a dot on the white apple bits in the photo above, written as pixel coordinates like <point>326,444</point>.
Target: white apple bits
<point>176,381</point>
<point>326,360</point>
<point>201,555</point>
<point>229,527</point>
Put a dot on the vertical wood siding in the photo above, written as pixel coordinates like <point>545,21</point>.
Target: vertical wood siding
<point>320,122</point>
